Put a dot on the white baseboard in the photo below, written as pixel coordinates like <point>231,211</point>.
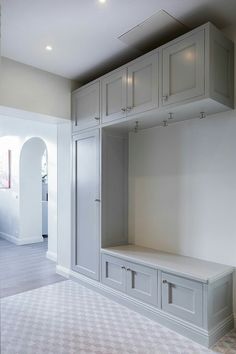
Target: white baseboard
<point>27,241</point>
<point>65,272</point>
<point>20,241</point>
<point>9,238</point>
<point>52,256</point>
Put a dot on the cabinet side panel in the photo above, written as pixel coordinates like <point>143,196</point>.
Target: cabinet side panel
<point>114,190</point>
<point>221,68</point>
<point>220,300</point>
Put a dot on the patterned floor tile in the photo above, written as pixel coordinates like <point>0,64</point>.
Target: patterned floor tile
<point>67,318</point>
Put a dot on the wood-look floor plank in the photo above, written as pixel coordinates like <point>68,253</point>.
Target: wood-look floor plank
<point>24,268</point>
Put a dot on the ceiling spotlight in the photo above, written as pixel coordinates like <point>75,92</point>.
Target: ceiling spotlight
<point>48,48</point>
<point>102,1</point>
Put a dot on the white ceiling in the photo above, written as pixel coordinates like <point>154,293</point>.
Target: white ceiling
<point>84,33</point>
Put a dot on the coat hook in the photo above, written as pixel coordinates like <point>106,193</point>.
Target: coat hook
<point>202,115</point>
<point>165,123</point>
<point>136,127</point>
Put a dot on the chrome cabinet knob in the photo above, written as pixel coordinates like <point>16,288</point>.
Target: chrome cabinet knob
<point>128,269</point>
<point>97,200</point>
<point>123,267</point>
<point>129,108</point>
<point>123,109</point>
<point>97,118</point>
<point>164,281</point>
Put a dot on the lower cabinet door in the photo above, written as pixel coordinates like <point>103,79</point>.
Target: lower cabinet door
<point>114,272</point>
<point>182,298</point>
<point>142,283</point>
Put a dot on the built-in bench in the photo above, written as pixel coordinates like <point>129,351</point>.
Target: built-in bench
<point>195,294</point>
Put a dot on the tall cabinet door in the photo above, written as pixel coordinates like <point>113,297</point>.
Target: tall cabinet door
<point>86,107</point>
<point>183,69</point>
<point>114,96</point>
<point>143,85</point>
<point>87,204</point>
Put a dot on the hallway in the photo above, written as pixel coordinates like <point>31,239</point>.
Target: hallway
<point>24,268</point>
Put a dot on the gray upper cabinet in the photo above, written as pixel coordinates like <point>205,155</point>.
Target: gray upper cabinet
<point>189,77</point>
<point>199,67</point>
<point>86,203</point>
<point>183,74</point>
<point>130,91</point>
<point>86,107</point>
<point>114,92</point>
<point>143,85</point>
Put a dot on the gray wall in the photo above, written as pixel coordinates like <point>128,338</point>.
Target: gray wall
<point>31,89</point>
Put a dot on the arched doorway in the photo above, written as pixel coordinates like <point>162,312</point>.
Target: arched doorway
<point>33,171</point>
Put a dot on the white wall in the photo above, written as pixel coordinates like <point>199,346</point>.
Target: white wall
<point>31,89</point>
<point>13,134</point>
<point>183,188</point>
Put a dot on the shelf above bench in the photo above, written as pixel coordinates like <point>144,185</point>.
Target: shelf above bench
<point>193,268</point>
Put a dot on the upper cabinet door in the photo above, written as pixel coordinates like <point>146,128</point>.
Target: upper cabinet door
<point>183,70</point>
<point>86,107</point>
<point>143,85</point>
<point>114,96</point>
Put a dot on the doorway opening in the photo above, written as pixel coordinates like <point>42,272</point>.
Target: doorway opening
<point>44,174</point>
<point>33,197</point>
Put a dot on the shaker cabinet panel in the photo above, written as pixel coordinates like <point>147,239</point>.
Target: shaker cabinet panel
<point>143,85</point>
<point>183,298</point>
<point>86,204</point>
<point>114,96</point>
<point>183,73</point>
<point>86,107</point>
<point>114,272</point>
<point>142,283</point>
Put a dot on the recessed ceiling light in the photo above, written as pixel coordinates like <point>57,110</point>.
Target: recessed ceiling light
<point>102,1</point>
<point>48,48</point>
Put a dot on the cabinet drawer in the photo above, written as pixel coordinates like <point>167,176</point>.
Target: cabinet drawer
<point>114,272</point>
<point>182,298</point>
<point>142,283</point>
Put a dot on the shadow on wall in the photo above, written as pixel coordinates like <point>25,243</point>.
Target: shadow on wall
<point>30,191</point>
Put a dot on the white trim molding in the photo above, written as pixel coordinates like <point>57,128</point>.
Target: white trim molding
<point>65,272</point>
<point>52,256</point>
<point>20,241</point>
<point>10,238</point>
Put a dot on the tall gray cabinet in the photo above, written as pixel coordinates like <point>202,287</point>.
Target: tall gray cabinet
<point>86,201</point>
<point>190,77</point>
